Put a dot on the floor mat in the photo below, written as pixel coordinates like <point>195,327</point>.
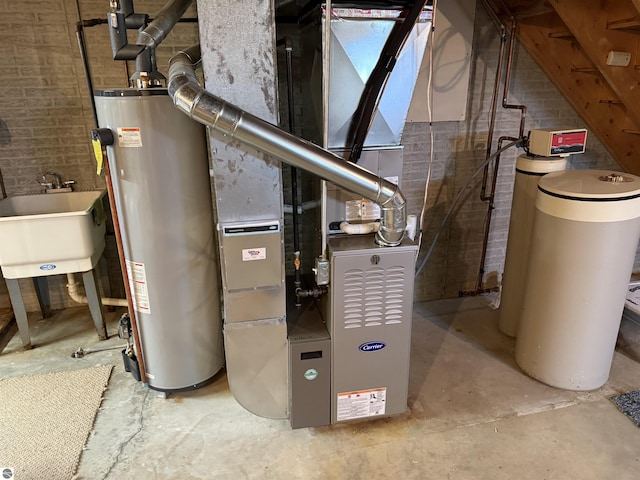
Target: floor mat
<point>629,404</point>
<point>45,421</point>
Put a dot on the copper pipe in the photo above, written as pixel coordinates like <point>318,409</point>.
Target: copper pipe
<point>494,105</point>
<point>487,222</point>
<point>507,79</point>
<point>523,113</point>
<point>123,266</point>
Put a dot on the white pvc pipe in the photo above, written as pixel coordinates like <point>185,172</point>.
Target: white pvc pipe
<point>72,288</point>
<point>359,228</point>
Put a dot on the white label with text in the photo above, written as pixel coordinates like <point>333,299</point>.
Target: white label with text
<point>139,288</point>
<point>129,137</point>
<point>362,403</point>
<point>249,254</point>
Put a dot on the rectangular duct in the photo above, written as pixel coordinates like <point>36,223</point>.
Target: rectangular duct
<point>357,39</point>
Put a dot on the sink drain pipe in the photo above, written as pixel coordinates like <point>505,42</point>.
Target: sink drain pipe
<point>74,293</point>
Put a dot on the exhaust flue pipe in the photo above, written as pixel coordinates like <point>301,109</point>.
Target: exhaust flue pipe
<point>154,33</point>
<point>162,24</point>
<point>202,106</point>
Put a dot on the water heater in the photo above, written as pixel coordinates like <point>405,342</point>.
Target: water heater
<point>160,176</point>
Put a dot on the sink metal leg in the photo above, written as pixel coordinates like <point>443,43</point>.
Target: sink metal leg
<point>41,286</point>
<point>103,273</point>
<point>19,311</point>
<point>95,302</point>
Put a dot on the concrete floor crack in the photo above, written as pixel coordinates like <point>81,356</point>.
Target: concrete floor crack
<point>127,441</point>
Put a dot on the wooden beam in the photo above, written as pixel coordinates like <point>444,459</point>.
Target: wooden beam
<point>584,92</point>
<point>524,9</point>
<point>562,33</point>
<point>587,21</point>
<point>629,24</point>
<point>520,9</point>
<point>621,14</point>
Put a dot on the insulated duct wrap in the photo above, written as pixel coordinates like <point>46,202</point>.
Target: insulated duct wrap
<point>202,106</point>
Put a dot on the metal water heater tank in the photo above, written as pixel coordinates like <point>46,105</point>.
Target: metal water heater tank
<point>160,176</point>
<point>585,235</point>
<point>529,170</point>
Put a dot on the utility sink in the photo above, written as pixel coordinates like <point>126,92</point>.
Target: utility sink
<point>51,234</point>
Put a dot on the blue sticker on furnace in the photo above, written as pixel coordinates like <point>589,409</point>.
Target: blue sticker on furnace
<point>372,346</point>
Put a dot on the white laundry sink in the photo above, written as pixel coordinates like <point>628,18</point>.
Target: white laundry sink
<point>51,234</point>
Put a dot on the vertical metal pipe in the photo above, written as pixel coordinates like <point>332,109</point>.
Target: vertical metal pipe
<point>507,79</point>
<point>85,67</point>
<point>112,203</point>
<point>494,108</point>
<point>523,112</point>
<point>326,49</point>
<point>294,171</point>
<point>123,268</point>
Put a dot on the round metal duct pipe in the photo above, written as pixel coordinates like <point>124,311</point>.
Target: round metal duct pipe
<point>235,123</point>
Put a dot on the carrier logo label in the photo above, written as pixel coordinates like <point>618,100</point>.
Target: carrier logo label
<point>48,266</point>
<point>372,346</point>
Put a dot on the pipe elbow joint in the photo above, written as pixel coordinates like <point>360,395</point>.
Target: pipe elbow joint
<point>393,220</point>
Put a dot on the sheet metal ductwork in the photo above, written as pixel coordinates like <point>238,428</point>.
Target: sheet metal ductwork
<point>235,123</point>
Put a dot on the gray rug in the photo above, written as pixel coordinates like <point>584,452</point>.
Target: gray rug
<point>45,421</point>
<point>629,404</point>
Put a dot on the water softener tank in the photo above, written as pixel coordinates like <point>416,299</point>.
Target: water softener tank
<point>585,235</point>
<point>529,170</point>
<point>160,176</point>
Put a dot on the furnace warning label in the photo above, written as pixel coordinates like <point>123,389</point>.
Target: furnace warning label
<point>361,404</point>
<point>138,284</point>
<point>129,137</point>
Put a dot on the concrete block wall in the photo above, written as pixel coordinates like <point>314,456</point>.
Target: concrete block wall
<point>45,114</point>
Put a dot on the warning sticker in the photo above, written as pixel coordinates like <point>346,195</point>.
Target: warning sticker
<point>249,254</point>
<point>361,404</point>
<point>138,284</point>
<point>129,137</point>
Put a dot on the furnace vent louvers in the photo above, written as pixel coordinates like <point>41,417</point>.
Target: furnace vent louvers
<point>373,297</point>
<point>235,123</point>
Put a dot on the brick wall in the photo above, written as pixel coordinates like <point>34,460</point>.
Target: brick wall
<point>45,119</point>
<point>459,147</point>
<point>45,114</point>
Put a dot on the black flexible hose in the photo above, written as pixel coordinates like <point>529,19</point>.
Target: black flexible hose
<point>361,122</point>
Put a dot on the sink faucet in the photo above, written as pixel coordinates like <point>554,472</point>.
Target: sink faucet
<point>56,183</point>
<point>52,183</point>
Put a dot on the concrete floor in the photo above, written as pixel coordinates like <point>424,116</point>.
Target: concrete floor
<point>473,415</point>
